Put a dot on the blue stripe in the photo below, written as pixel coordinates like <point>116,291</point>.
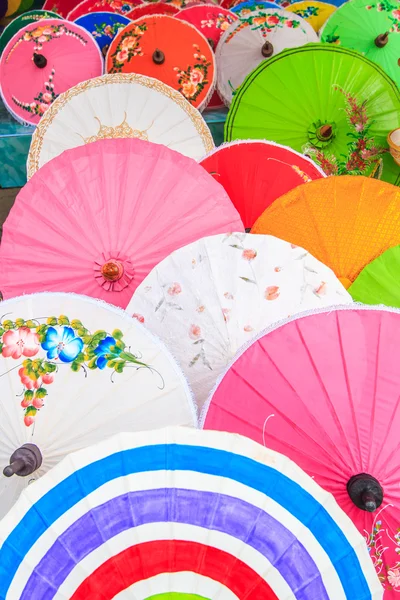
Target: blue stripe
<point>277,486</point>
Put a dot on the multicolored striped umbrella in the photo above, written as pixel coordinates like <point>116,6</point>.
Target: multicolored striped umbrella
<point>181,514</point>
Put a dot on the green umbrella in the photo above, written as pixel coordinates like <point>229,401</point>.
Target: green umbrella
<point>20,22</point>
<point>326,101</point>
<point>371,27</point>
<point>379,282</point>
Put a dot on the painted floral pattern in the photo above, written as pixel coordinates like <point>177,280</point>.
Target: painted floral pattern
<point>45,33</point>
<point>42,347</point>
<point>219,21</point>
<point>363,156</point>
<point>42,101</point>
<point>117,6</point>
<point>306,13</point>
<point>393,10</point>
<point>380,542</point>
<point>212,296</point>
<point>105,29</point>
<point>128,47</point>
<point>193,80</point>
<point>265,22</point>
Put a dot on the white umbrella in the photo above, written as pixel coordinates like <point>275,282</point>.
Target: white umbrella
<point>118,106</point>
<point>207,299</point>
<point>74,371</point>
<point>256,37</point>
<point>181,514</point>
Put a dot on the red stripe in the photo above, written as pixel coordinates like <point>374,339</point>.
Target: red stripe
<point>146,560</point>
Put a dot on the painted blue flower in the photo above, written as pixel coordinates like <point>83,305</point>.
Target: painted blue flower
<point>105,348</point>
<point>62,343</point>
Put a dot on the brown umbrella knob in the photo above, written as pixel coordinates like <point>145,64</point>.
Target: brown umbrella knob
<point>365,492</point>
<point>40,60</point>
<point>104,50</point>
<point>382,39</point>
<point>267,49</point>
<point>112,270</point>
<point>24,461</point>
<point>325,132</point>
<point>211,42</point>
<point>158,57</point>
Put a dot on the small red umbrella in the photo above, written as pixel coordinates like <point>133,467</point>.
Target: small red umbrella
<point>255,173</point>
<point>169,50</point>
<point>152,8</point>
<point>122,7</point>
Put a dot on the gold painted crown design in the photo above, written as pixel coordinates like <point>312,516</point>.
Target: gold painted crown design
<point>124,130</point>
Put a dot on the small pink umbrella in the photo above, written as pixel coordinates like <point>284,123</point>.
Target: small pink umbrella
<point>43,60</point>
<point>323,389</point>
<point>96,219</point>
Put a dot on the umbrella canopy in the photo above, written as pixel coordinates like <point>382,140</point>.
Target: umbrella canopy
<point>332,109</point>
<point>371,28</point>
<point>102,234</point>
<point>316,12</point>
<point>243,9</point>
<point>62,358</point>
<point>152,8</point>
<point>20,22</point>
<point>254,174</point>
<point>345,235</point>
<point>119,106</point>
<point>378,282</point>
<point>210,19</point>
<point>118,521</point>
<point>254,39</point>
<point>286,3</point>
<point>49,57</point>
<point>324,390</point>
<point>103,26</point>
<point>61,7</point>
<point>170,50</point>
<point>121,7</point>
<point>207,299</point>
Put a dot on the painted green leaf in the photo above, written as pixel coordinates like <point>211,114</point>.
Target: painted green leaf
<point>63,320</point>
<point>41,393</point>
<point>117,334</point>
<point>19,322</point>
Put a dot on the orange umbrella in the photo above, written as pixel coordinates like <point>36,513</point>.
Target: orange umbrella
<point>344,221</point>
<point>167,49</point>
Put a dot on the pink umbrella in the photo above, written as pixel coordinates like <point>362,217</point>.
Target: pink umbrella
<point>324,390</point>
<point>43,60</point>
<point>96,219</point>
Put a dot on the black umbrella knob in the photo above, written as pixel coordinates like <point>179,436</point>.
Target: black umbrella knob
<point>24,461</point>
<point>40,60</point>
<point>382,39</point>
<point>365,492</point>
<point>158,57</point>
<point>267,49</point>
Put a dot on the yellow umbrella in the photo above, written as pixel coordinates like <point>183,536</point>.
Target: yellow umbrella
<point>313,11</point>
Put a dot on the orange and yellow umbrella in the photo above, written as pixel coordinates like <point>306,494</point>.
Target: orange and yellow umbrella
<point>344,221</point>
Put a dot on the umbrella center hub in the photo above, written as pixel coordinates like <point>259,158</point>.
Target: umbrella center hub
<point>112,270</point>
<point>321,134</point>
<point>24,461</point>
<point>365,492</point>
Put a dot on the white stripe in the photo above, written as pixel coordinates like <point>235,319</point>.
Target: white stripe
<point>194,481</point>
<point>162,531</point>
<point>184,583</point>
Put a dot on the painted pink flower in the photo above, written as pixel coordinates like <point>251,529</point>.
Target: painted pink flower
<point>225,312</point>
<point>396,13</point>
<point>175,289</point>
<point>29,421</point>
<point>321,289</point>
<point>33,105</point>
<point>47,31</point>
<point>122,56</point>
<point>248,328</point>
<point>228,296</point>
<point>194,332</point>
<point>201,308</point>
<point>22,342</point>
<point>27,37</point>
<point>138,317</point>
<point>43,107</point>
<point>189,89</point>
<point>196,76</point>
<point>47,378</point>
<point>394,577</point>
<point>278,269</point>
<point>38,402</point>
<point>42,39</point>
<point>47,97</point>
<point>272,20</point>
<point>289,23</point>
<point>249,254</point>
<point>272,292</point>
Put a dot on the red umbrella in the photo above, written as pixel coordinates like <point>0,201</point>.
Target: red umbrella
<point>255,173</point>
<point>152,8</point>
<point>116,6</point>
